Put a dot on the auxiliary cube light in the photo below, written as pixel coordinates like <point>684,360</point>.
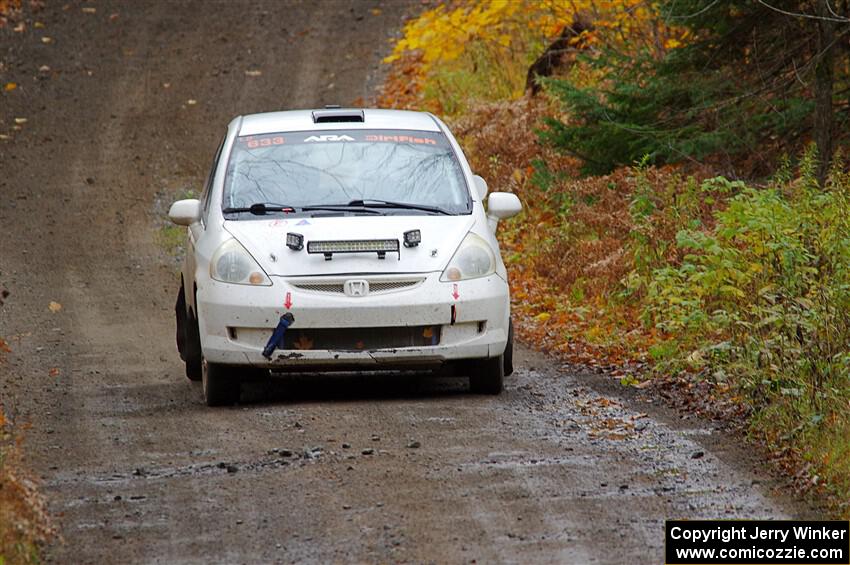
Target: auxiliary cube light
<point>412,238</point>
<point>295,241</point>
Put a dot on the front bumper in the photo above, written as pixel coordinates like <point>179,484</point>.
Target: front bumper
<point>236,321</point>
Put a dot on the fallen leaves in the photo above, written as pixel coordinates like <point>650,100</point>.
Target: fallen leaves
<point>10,86</point>
<point>7,10</point>
<point>7,6</point>
<point>607,419</point>
<point>54,307</point>
<point>47,40</point>
<point>54,372</point>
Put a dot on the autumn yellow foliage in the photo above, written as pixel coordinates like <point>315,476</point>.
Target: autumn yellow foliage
<point>482,49</point>
<point>442,34</point>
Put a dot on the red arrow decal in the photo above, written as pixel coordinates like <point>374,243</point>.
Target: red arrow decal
<point>455,293</point>
<point>288,302</point>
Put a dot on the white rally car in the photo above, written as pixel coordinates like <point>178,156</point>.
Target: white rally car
<point>342,239</point>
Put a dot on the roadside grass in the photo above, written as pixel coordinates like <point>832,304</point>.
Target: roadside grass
<point>169,237</point>
<point>816,456</point>
<point>829,450</point>
<point>172,239</point>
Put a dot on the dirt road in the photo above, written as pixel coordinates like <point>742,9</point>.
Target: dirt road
<point>123,115</point>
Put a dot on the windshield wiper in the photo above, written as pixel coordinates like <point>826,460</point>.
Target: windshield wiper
<point>374,203</point>
<point>260,209</point>
<point>337,208</point>
<point>263,208</point>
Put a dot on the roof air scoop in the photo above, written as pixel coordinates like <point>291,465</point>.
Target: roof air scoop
<point>332,115</point>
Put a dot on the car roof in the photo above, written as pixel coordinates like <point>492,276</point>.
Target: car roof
<point>303,120</point>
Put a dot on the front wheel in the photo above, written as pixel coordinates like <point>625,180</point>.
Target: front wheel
<point>221,384</point>
<point>488,376</point>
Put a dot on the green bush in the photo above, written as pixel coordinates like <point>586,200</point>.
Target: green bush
<point>765,294</point>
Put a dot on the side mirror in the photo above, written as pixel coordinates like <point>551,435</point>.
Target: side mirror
<point>501,205</point>
<point>185,212</point>
<point>480,187</point>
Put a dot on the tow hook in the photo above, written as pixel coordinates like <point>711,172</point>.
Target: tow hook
<point>276,340</point>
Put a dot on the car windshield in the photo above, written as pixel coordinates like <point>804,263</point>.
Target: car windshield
<point>350,169</point>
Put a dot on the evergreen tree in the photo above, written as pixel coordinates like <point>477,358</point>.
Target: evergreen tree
<point>753,74</point>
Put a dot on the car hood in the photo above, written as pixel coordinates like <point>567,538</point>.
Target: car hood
<point>265,240</point>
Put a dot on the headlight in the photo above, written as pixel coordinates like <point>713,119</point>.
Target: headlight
<point>232,264</point>
<point>474,258</point>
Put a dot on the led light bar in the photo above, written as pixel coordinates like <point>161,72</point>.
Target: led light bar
<point>379,246</point>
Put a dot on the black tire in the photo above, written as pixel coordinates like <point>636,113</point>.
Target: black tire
<point>188,337</point>
<point>509,350</point>
<point>221,384</point>
<point>488,376</point>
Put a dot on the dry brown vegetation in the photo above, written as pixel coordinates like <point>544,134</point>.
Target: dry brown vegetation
<point>7,7</point>
<point>24,521</point>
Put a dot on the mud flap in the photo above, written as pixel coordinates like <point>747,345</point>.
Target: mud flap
<point>180,315</point>
<point>509,350</point>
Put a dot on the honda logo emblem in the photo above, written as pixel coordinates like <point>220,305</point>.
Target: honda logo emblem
<point>356,288</point>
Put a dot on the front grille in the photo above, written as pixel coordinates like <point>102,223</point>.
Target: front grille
<point>357,339</point>
<point>375,286</point>
<point>330,288</point>
<point>389,286</point>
